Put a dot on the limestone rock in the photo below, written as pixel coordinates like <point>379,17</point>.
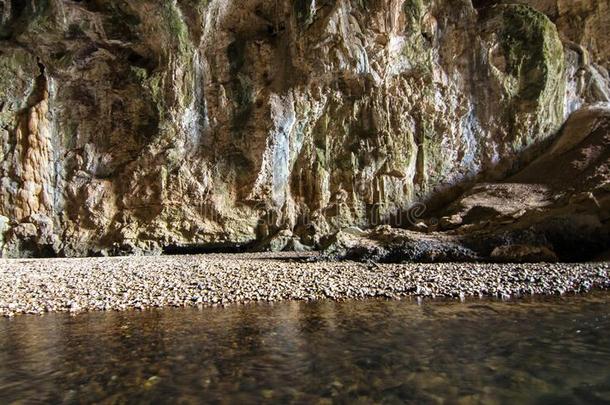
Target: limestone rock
<point>556,208</point>
<point>129,127</point>
<point>523,254</point>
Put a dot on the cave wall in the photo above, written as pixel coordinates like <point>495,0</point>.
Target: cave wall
<point>128,127</point>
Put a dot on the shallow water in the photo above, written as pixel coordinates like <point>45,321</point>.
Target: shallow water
<point>542,351</point>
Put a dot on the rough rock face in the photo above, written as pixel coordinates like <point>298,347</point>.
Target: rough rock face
<point>141,126</point>
<point>558,207</point>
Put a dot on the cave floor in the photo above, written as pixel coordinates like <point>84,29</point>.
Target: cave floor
<point>38,286</point>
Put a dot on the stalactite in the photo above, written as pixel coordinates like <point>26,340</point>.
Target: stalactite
<point>34,154</point>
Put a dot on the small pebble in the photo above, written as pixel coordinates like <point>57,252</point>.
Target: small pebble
<point>30,286</point>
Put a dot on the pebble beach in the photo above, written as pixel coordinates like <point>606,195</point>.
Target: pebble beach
<point>39,286</point>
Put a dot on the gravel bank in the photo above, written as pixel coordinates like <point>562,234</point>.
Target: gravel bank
<point>75,285</point>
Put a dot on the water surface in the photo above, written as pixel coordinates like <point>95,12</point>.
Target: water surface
<point>540,351</point>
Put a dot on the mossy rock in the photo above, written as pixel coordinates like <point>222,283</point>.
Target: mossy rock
<point>18,71</point>
<point>27,16</point>
<point>527,67</point>
<point>414,10</point>
<point>176,27</point>
<point>530,52</point>
<point>304,11</point>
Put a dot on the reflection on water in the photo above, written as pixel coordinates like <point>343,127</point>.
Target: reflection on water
<point>537,351</point>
